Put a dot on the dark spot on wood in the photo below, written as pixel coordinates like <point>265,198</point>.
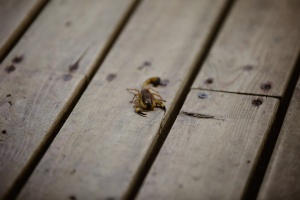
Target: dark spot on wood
<point>164,82</point>
<point>46,170</point>
<point>248,161</point>
<point>17,59</point>
<point>111,77</point>
<point>145,64</point>
<point>209,81</point>
<point>248,67</point>
<point>67,77</point>
<point>73,171</point>
<point>266,86</point>
<point>68,23</point>
<point>195,178</point>
<point>72,197</point>
<point>3,131</point>
<point>9,95</point>
<point>10,68</point>
<point>180,186</point>
<point>74,67</point>
<point>110,198</point>
<point>10,103</point>
<point>202,95</point>
<point>257,102</point>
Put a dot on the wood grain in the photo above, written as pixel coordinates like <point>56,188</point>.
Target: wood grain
<point>31,105</point>
<point>103,143</point>
<point>210,158</point>
<point>282,178</point>
<point>71,31</point>
<point>34,94</point>
<point>256,49</point>
<point>15,15</point>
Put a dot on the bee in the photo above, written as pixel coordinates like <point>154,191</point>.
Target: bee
<point>148,98</point>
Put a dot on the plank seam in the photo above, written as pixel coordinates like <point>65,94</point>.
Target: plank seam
<point>171,116</point>
<point>27,171</point>
<point>259,170</point>
<point>242,93</point>
<point>22,28</point>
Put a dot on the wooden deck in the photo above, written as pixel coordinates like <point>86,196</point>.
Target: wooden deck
<point>232,125</point>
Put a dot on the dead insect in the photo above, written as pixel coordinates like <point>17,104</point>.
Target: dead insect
<point>148,98</point>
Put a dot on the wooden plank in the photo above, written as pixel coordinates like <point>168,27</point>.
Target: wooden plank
<point>282,177</point>
<point>39,96</point>
<point>256,50</point>
<point>15,15</point>
<point>211,158</point>
<point>70,31</point>
<point>31,105</point>
<point>102,145</point>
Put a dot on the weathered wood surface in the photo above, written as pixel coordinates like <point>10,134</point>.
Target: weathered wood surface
<point>256,49</point>
<point>211,158</point>
<point>14,17</point>
<point>70,31</point>
<point>31,105</point>
<point>33,93</point>
<point>103,143</point>
<point>282,178</point>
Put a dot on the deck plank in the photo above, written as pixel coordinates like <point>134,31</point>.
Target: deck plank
<point>31,105</point>
<point>103,143</point>
<point>40,95</point>
<point>68,31</point>
<point>256,50</point>
<point>282,177</point>
<point>210,158</point>
<point>15,15</point>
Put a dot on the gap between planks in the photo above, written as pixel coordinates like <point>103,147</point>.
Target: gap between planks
<point>169,120</point>
<point>21,28</point>
<point>255,181</point>
<point>28,169</point>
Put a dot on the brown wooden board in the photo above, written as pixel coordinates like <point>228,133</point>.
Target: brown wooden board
<point>31,105</point>
<point>102,145</point>
<point>33,94</point>
<point>15,15</point>
<point>71,33</point>
<point>256,49</point>
<point>211,152</point>
<point>282,178</point>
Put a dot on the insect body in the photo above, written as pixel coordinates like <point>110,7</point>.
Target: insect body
<point>148,98</point>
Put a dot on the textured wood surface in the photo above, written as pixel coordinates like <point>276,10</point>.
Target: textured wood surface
<point>256,49</point>
<point>282,178</point>
<point>33,93</point>
<point>14,17</point>
<point>31,105</point>
<point>210,156</point>
<point>70,31</point>
<point>103,143</point>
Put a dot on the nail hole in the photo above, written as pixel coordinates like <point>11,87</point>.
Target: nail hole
<point>68,23</point>
<point>72,197</point>
<point>111,77</point>
<point>257,102</point>
<point>164,82</point>
<point>17,59</point>
<point>248,67</point>
<point>3,131</point>
<point>10,68</point>
<point>9,95</point>
<point>266,86</point>
<point>202,95</point>
<point>209,81</point>
<point>67,77</point>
